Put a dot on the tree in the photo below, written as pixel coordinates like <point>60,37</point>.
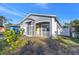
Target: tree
<point>4,20</point>
<point>66,25</point>
<point>1,21</point>
<point>8,25</point>
<point>75,23</point>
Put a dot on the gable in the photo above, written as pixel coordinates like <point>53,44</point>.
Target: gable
<point>40,17</point>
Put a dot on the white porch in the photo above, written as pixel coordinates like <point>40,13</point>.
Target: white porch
<point>41,29</point>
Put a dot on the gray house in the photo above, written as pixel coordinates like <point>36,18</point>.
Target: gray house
<point>41,25</point>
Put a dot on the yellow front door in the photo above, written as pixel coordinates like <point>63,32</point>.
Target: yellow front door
<point>37,30</point>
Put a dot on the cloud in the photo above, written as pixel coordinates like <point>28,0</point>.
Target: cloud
<point>43,5</point>
<point>7,10</point>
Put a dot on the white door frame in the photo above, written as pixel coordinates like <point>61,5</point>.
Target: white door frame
<point>44,33</point>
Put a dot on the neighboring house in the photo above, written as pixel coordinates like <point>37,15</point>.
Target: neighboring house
<point>73,32</point>
<point>66,31</point>
<point>16,28</point>
<point>41,25</point>
<point>1,25</point>
<point>2,29</point>
<point>69,31</point>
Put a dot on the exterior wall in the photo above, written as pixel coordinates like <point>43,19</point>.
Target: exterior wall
<point>54,29</point>
<point>74,35</point>
<point>24,26</point>
<point>59,29</point>
<point>2,29</point>
<point>66,31</point>
<point>39,19</point>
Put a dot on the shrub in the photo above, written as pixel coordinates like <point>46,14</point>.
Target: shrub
<point>13,40</point>
<point>21,31</point>
<point>3,45</point>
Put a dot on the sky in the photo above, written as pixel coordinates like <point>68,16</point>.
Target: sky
<point>65,12</point>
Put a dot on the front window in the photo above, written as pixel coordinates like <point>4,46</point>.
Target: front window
<point>45,27</point>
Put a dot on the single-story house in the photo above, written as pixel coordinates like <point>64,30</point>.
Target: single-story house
<point>41,25</point>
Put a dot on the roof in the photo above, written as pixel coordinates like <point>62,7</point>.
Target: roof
<point>17,25</point>
<point>43,15</point>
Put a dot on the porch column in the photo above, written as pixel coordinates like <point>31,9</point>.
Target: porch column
<point>34,29</point>
<point>50,29</point>
<point>26,25</point>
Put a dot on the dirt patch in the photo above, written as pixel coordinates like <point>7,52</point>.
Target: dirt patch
<point>45,46</point>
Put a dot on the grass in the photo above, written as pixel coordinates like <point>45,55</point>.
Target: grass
<point>75,40</point>
<point>67,41</point>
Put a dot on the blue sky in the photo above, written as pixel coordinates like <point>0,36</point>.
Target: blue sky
<point>17,11</point>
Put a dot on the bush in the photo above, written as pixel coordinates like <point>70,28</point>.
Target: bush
<point>17,45</point>
<point>13,40</point>
<point>21,31</point>
<point>10,36</point>
<point>3,45</point>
